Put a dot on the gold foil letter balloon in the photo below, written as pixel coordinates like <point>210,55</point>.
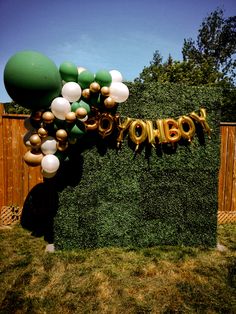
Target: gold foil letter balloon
<point>187,127</point>
<point>138,132</point>
<point>172,131</point>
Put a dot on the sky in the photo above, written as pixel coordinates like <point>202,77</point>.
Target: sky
<point>104,34</point>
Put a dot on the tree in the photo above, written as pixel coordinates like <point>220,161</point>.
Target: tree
<point>216,44</point>
<point>209,61</point>
<point>184,72</point>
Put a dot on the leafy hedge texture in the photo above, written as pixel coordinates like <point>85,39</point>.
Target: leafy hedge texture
<point>155,196</point>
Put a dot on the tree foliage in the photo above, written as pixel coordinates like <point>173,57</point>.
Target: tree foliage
<point>185,72</point>
<point>216,43</point>
<point>14,108</point>
<point>208,61</point>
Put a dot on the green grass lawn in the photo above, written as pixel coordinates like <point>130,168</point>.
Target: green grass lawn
<point>116,280</point>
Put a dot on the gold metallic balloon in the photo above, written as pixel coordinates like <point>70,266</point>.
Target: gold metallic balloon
<point>81,113</point>
<point>109,102</point>
<point>70,117</point>
<point>48,117</point>
<point>36,115</point>
<point>33,158</point>
<point>86,93</point>
<point>61,135</point>
<point>172,131</point>
<point>62,146</point>
<point>42,132</point>
<point>94,87</point>
<point>72,140</point>
<point>186,121</point>
<point>202,120</point>
<point>35,140</point>
<point>105,91</point>
<point>141,127</point>
<point>105,124</point>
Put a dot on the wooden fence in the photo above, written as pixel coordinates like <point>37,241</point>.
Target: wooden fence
<point>227,174</point>
<point>17,179</point>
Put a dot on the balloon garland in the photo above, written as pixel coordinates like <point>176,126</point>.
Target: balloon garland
<point>70,101</point>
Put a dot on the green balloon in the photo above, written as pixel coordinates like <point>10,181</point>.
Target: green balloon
<point>103,78</point>
<point>80,104</point>
<point>32,80</point>
<point>76,132</point>
<point>60,155</point>
<point>85,78</point>
<point>59,124</point>
<point>69,72</point>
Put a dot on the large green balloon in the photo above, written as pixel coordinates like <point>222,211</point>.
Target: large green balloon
<point>32,79</point>
<point>85,78</point>
<point>103,78</point>
<point>69,72</point>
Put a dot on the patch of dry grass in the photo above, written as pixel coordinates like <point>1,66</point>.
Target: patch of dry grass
<point>116,280</point>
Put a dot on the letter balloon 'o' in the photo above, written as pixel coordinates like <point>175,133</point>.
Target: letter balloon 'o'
<point>32,79</point>
<point>50,163</point>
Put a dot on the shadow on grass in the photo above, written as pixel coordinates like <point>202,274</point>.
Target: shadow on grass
<point>39,210</point>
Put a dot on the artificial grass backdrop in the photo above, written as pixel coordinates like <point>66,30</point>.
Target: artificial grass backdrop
<point>156,196</point>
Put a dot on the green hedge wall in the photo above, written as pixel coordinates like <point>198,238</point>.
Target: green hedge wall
<point>157,196</point>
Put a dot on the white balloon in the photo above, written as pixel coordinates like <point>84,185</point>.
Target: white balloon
<point>49,145</point>
<point>60,107</point>
<point>119,91</point>
<point>71,91</point>
<point>81,69</point>
<point>50,163</point>
<point>116,76</point>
